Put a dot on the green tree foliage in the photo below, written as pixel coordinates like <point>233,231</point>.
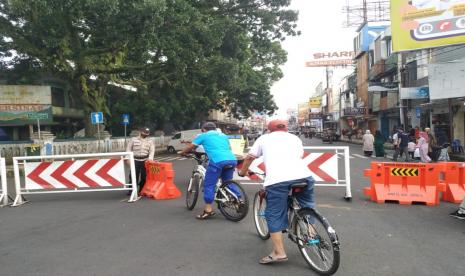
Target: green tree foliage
<point>185,57</point>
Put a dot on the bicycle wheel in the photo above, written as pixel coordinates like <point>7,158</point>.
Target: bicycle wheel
<point>259,206</point>
<point>232,201</point>
<point>317,241</point>
<point>193,189</point>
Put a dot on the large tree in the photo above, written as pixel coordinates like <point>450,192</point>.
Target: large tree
<point>185,57</point>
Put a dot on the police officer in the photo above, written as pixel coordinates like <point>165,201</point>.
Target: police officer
<point>143,149</point>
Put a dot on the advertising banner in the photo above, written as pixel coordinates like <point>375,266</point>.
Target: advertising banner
<point>419,24</point>
<point>407,93</point>
<point>24,104</point>
<point>315,102</point>
<point>447,80</point>
<point>303,110</point>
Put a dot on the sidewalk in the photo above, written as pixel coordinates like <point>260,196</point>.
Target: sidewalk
<point>453,156</point>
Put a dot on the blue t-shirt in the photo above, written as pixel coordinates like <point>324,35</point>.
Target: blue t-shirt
<point>216,146</point>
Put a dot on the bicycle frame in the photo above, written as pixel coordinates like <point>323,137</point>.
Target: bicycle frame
<point>200,168</point>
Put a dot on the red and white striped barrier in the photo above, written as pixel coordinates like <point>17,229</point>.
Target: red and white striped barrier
<point>74,173</point>
<point>4,187</point>
<point>323,163</point>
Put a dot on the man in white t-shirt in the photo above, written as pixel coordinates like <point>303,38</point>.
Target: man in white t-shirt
<point>282,154</point>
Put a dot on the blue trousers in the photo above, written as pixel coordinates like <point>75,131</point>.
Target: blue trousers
<point>276,202</point>
<point>214,172</point>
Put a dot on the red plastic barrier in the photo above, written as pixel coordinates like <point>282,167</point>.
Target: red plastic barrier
<point>405,183</point>
<point>159,182</point>
<point>455,182</point>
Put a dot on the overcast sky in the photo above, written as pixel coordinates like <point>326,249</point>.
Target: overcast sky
<point>321,24</point>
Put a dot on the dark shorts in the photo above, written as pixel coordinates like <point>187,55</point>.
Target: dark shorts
<point>276,202</point>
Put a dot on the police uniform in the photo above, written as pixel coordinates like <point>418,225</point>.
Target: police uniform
<point>143,149</point>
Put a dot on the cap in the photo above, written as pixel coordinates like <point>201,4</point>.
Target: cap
<point>209,126</point>
<point>145,130</point>
<point>277,125</point>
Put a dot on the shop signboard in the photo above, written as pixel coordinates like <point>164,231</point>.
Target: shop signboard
<point>315,102</point>
<point>24,104</point>
<point>447,80</point>
<point>420,24</point>
<point>354,111</point>
<point>313,116</point>
<point>335,58</point>
<point>407,93</point>
<point>418,112</point>
<point>303,110</point>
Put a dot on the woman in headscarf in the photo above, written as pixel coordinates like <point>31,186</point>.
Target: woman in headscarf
<point>368,141</point>
<point>423,146</point>
<point>379,144</point>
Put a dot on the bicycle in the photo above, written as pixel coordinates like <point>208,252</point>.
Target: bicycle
<point>230,196</point>
<point>311,231</point>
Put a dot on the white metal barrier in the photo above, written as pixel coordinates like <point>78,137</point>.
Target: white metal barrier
<point>4,187</point>
<point>323,163</point>
<point>74,173</point>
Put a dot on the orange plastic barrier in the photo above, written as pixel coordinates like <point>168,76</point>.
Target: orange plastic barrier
<point>405,183</point>
<point>455,182</point>
<point>159,183</point>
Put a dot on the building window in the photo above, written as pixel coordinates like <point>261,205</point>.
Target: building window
<point>58,97</point>
<point>389,47</point>
<point>371,59</point>
<point>384,94</point>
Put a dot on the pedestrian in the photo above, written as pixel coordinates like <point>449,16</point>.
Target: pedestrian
<point>379,144</point>
<point>460,213</point>
<point>282,154</point>
<point>222,163</point>
<point>411,148</point>
<point>402,141</point>
<point>368,141</point>
<point>412,133</point>
<point>423,146</point>
<point>143,149</point>
<point>433,148</point>
<point>395,142</point>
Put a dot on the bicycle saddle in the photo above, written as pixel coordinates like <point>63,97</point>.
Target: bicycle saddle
<point>227,167</point>
<point>299,185</point>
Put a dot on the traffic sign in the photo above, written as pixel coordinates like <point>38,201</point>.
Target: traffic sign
<point>125,118</point>
<point>96,118</point>
<point>37,116</point>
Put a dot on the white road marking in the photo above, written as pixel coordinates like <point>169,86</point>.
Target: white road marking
<point>163,158</point>
<point>172,158</point>
<point>361,156</point>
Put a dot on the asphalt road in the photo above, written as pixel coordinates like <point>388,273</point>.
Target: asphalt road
<point>98,234</point>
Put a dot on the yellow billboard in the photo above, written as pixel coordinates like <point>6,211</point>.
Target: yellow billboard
<point>419,24</point>
<point>315,102</point>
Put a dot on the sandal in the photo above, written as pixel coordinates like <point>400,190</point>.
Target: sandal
<point>206,215</point>
<point>270,259</point>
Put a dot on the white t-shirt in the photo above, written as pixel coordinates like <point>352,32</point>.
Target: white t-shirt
<point>282,154</point>
<point>395,139</point>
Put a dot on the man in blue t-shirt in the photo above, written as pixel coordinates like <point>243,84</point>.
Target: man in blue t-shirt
<point>218,150</point>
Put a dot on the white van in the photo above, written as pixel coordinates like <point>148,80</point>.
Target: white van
<point>181,139</point>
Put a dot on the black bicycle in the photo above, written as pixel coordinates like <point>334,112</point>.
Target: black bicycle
<point>317,240</point>
<point>230,196</point>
